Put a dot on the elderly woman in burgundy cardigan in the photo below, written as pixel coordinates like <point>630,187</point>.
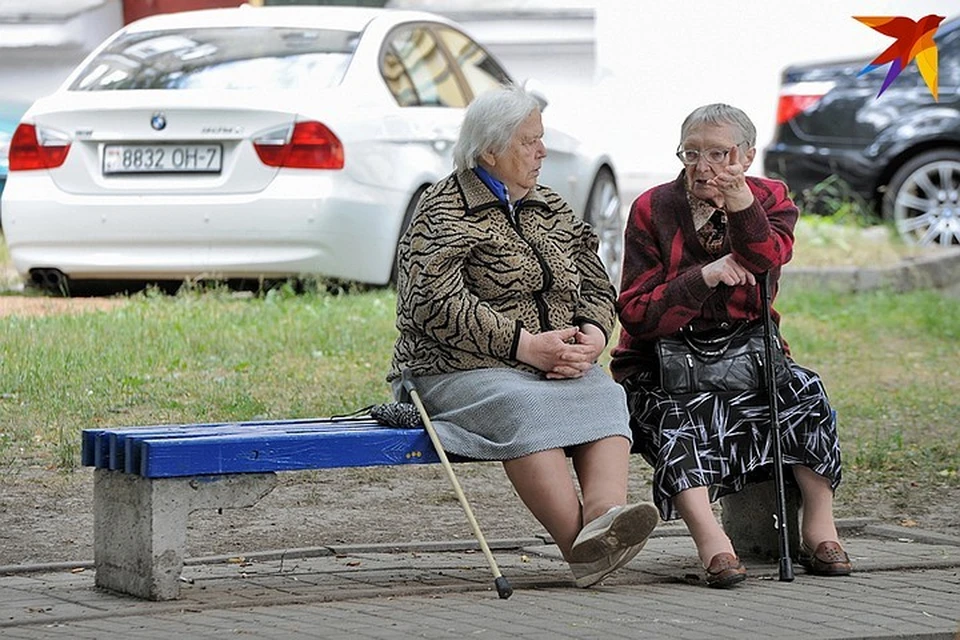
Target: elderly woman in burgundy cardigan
<point>694,250</point>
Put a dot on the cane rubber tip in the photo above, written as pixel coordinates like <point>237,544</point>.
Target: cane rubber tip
<point>504,590</point>
<point>786,570</point>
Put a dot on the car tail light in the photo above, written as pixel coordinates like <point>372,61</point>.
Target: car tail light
<point>35,147</point>
<point>798,97</point>
<point>310,145</point>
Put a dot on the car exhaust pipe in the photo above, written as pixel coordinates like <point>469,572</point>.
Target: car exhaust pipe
<point>51,280</point>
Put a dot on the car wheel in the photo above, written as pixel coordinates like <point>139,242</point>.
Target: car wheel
<point>407,217</point>
<point>604,215</point>
<point>923,199</point>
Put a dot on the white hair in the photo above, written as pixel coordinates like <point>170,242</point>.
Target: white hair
<point>720,114</point>
<point>490,122</point>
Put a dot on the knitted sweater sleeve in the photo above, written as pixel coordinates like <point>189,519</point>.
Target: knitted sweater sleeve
<point>761,236</point>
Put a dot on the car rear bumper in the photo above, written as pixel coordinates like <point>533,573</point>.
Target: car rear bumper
<point>286,231</point>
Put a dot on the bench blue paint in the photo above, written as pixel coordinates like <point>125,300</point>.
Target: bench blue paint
<point>253,447</point>
<point>107,448</point>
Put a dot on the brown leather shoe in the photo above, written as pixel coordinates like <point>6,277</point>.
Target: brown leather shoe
<point>829,559</point>
<point>725,570</point>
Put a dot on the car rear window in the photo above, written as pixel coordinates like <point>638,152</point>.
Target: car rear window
<point>240,58</point>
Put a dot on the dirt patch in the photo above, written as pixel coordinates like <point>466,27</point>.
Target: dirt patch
<point>47,516</point>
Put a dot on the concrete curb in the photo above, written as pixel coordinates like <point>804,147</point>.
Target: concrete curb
<point>939,271</point>
<point>845,526</point>
<point>905,534</point>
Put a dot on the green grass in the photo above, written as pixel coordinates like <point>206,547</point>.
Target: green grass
<point>196,357</point>
<point>828,241</point>
<point>889,362</point>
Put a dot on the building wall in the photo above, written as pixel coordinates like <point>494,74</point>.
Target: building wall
<point>136,9</point>
<point>40,49</point>
<point>657,61</point>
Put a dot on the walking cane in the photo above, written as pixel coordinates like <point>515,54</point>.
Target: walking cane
<point>786,565</point>
<point>504,590</point>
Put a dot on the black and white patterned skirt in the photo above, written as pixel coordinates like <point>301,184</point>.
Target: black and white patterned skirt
<point>722,440</point>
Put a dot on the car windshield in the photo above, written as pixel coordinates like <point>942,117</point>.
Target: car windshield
<point>262,58</point>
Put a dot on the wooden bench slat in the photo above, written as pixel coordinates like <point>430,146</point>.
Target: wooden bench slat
<point>110,448</point>
<point>258,452</point>
<point>96,444</point>
<point>134,458</point>
<point>133,447</point>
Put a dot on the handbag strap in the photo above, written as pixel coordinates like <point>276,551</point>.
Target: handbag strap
<point>713,345</point>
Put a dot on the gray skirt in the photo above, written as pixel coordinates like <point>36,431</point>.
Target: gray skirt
<point>501,414</point>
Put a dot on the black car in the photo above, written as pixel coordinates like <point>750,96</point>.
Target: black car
<point>899,152</point>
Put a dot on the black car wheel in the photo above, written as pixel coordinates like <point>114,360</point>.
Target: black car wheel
<point>603,214</point>
<point>923,199</point>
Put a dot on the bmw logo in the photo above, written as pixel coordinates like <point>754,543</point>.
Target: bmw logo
<point>158,121</point>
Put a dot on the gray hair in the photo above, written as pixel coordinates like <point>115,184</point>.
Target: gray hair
<point>720,114</point>
<point>490,122</point>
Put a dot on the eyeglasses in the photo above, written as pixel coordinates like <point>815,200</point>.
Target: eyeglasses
<point>712,156</point>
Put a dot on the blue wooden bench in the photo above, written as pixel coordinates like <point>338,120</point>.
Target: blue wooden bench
<point>170,451</point>
<point>147,480</point>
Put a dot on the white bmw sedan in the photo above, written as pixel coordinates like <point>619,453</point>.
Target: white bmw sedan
<point>257,143</point>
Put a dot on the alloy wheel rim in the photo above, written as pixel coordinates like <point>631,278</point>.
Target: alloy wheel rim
<point>605,219</point>
<point>927,206</point>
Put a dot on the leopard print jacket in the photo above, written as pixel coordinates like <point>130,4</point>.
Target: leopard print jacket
<point>471,274</point>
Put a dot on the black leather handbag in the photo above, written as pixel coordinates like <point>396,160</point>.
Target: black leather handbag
<point>719,360</point>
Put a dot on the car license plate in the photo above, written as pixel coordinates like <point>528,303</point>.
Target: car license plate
<point>165,158</point>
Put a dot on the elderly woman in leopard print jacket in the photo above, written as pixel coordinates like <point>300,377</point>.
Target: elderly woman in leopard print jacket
<point>503,307</point>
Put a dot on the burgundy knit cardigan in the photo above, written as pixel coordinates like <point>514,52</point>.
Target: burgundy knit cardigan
<point>662,289</point>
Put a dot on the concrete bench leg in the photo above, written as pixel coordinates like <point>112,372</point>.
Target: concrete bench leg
<point>140,525</point>
<point>748,518</point>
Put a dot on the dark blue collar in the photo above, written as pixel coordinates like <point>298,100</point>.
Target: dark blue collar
<point>498,188</point>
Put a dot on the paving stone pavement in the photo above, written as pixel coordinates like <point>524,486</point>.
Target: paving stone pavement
<point>906,585</point>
